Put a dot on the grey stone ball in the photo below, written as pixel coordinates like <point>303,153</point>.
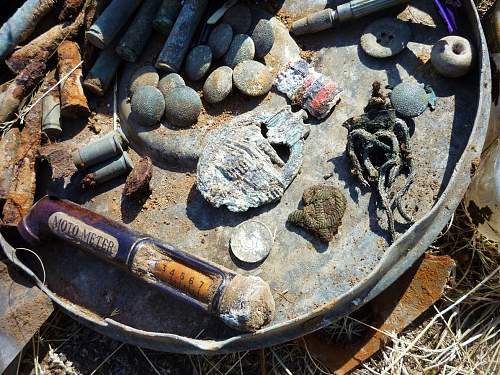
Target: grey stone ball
<point>220,39</point>
<point>144,76</point>
<point>218,85</point>
<point>252,78</point>
<point>169,82</point>
<point>263,37</point>
<point>241,49</point>
<point>239,17</point>
<point>182,106</point>
<point>147,105</point>
<point>452,56</point>
<point>409,99</point>
<point>198,62</point>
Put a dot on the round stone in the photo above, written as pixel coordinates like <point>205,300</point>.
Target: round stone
<point>198,62</point>
<point>452,56</point>
<point>169,82</point>
<point>263,37</point>
<point>251,242</point>
<point>239,17</point>
<point>220,39</point>
<point>409,99</point>
<point>144,76</point>
<point>385,37</point>
<point>182,106</point>
<point>147,105</point>
<point>252,78</point>
<point>241,49</point>
<point>218,84</point>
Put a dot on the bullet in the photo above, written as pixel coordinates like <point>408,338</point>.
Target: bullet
<point>73,101</point>
<point>177,44</point>
<point>166,16</point>
<point>103,71</point>
<point>20,26</point>
<point>106,147</point>
<point>107,26</point>
<point>51,112</point>
<point>107,171</point>
<point>132,44</point>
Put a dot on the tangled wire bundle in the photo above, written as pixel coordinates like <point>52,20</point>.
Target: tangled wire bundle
<point>378,144</point>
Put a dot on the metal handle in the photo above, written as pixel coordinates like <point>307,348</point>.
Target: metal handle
<point>360,8</point>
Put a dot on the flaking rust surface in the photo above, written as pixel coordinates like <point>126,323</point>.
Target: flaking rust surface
<point>299,267</point>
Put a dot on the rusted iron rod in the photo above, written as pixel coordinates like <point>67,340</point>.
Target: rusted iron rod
<point>73,101</point>
<point>242,302</point>
<point>70,9</point>
<point>23,84</point>
<point>20,26</point>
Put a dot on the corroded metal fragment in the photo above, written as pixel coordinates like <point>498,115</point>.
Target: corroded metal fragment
<point>324,206</point>
<point>240,169</point>
<point>137,184</point>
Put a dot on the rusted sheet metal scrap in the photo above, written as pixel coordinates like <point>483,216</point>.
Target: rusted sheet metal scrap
<point>23,309</point>
<point>392,311</point>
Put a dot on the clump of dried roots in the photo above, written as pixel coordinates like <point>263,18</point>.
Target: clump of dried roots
<point>378,144</point>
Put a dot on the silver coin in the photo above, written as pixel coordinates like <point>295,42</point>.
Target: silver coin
<point>251,241</point>
<point>385,37</point>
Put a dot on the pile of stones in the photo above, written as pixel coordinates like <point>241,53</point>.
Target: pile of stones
<point>231,49</point>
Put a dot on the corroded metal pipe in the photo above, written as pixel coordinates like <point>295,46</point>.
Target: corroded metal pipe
<point>108,170</point>
<point>25,81</point>
<point>242,302</point>
<point>177,44</point>
<point>166,16</point>
<point>73,101</point>
<point>103,71</point>
<point>109,23</point>
<point>20,26</point>
<point>106,147</point>
<point>133,42</point>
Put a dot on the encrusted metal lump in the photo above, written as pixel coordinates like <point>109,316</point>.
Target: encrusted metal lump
<point>385,37</point>
<point>239,168</point>
<point>324,207</point>
<point>410,99</point>
<point>198,62</point>
<point>182,106</point>
<point>169,82</point>
<point>313,91</point>
<point>241,49</point>
<point>452,56</point>
<point>147,105</point>
<point>263,37</point>
<point>144,76</point>
<point>220,39</point>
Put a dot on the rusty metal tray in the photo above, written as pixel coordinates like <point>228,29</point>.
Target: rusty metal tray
<point>313,284</point>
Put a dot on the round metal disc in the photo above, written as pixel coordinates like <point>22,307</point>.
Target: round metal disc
<point>251,242</point>
<point>385,37</point>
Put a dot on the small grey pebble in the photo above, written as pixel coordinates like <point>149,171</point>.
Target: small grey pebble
<point>218,84</point>
<point>241,49</point>
<point>169,82</point>
<point>409,99</point>
<point>144,76</point>
<point>220,39</point>
<point>198,62</point>
<point>239,17</point>
<point>182,106</point>
<point>252,78</point>
<point>263,37</point>
<point>147,105</point>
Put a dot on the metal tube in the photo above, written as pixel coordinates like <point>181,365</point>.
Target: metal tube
<point>133,42</point>
<point>177,44</point>
<point>105,148</point>
<point>166,16</point>
<point>108,170</point>
<point>109,23</point>
<point>103,71</point>
<point>20,26</point>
